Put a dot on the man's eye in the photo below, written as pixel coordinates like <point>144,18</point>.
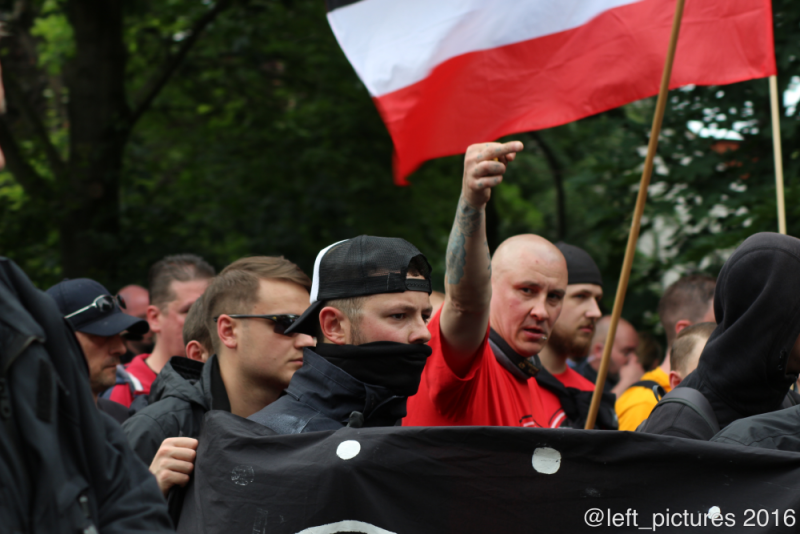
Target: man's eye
<point>426,318</point>
<point>526,290</point>
<point>397,316</point>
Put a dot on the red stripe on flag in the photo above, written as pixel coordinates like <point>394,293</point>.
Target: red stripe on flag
<point>615,59</point>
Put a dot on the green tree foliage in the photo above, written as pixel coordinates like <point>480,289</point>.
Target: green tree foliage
<point>264,141</point>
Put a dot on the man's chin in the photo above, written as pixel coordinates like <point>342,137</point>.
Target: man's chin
<point>526,349</point>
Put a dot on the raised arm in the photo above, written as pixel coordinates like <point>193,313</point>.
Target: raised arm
<point>468,280</point>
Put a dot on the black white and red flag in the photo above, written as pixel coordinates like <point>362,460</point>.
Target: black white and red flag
<point>464,480</point>
<point>448,73</point>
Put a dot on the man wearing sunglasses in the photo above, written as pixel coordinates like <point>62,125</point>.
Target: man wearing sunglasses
<point>99,322</point>
<point>247,310</point>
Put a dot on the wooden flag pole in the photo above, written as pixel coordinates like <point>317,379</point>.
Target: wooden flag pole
<point>641,199</point>
<point>776,146</point>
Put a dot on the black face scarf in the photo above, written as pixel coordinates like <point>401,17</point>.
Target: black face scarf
<point>394,366</point>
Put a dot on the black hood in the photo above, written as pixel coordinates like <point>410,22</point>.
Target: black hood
<point>742,370</point>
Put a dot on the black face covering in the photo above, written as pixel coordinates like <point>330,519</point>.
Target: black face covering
<point>395,366</point>
<point>743,367</point>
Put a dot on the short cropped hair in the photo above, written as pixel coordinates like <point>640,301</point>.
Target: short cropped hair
<point>649,352</point>
<point>194,328</point>
<point>235,290</point>
<point>685,343</point>
<point>271,267</point>
<point>178,267</point>
<point>687,299</point>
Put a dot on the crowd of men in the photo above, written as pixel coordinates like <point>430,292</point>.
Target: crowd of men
<point>516,341</point>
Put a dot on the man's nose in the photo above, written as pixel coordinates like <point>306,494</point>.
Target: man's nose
<point>594,312</point>
<point>117,347</point>
<point>420,333</point>
<point>540,311</point>
<point>302,341</point>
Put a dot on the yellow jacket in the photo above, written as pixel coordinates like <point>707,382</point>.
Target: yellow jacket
<point>636,403</point>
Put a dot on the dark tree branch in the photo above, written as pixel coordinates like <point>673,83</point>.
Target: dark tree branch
<point>558,178</point>
<point>160,79</point>
<point>30,180</point>
<point>18,96</point>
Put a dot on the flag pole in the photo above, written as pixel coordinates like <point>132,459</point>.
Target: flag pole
<point>641,199</point>
<point>776,145</point>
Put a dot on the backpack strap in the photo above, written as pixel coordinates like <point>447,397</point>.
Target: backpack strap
<point>790,399</point>
<point>653,386</point>
<point>696,401</point>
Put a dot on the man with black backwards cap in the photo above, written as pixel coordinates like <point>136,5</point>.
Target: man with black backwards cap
<point>571,337</point>
<point>753,356</point>
<point>99,324</point>
<point>497,315</point>
<point>369,308</point>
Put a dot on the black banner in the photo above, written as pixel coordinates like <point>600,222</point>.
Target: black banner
<point>482,480</point>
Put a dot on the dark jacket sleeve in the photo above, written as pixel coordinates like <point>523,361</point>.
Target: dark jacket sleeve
<point>778,430</point>
<point>145,434</point>
<point>130,500</point>
<point>676,420</point>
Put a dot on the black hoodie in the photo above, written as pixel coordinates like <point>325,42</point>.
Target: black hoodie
<point>742,370</point>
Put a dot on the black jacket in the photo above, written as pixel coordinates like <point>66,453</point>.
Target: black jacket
<point>64,466</point>
<point>178,400</point>
<point>321,396</point>
<point>778,430</point>
<point>742,370</point>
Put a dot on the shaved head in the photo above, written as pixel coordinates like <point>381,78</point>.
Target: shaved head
<point>529,280</point>
<point>526,247</point>
<point>137,299</point>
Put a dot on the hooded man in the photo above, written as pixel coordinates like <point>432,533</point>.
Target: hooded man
<point>753,357</point>
<point>369,308</point>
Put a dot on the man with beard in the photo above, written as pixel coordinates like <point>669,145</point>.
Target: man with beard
<point>369,307</point>
<point>753,357</point>
<point>572,337</point>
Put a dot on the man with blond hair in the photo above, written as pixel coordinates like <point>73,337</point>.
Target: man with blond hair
<point>247,309</point>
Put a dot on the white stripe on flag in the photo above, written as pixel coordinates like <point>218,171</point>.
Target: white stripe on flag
<point>393,44</point>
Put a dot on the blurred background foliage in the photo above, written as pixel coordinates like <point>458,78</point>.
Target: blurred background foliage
<point>264,141</point>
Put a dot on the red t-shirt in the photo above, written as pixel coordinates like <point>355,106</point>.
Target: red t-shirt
<point>573,379</point>
<point>488,395</point>
<point>142,378</point>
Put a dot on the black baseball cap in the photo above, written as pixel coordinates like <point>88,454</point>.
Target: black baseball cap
<point>77,299</point>
<point>364,265</point>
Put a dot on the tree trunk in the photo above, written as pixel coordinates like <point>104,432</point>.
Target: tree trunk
<point>98,113</point>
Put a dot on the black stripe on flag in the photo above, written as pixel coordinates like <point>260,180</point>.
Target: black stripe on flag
<point>335,4</point>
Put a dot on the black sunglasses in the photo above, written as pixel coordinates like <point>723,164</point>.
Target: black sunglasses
<point>282,322</point>
<point>103,304</point>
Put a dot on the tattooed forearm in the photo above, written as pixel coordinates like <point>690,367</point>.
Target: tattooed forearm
<point>468,221</point>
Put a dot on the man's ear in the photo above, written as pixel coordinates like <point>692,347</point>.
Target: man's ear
<point>226,330</point>
<point>196,352</point>
<point>680,325</point>
<point>674,379</point>
<point>153,317</point>
<point>334,325</point>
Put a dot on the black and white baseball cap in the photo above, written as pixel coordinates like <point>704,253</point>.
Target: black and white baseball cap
<point>364,265</point>
<point>90,308</point>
